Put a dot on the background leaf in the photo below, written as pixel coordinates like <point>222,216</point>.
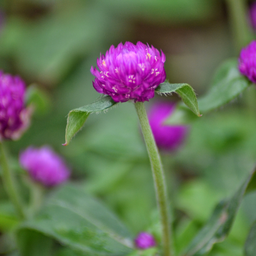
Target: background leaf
<point>220,223</point>
<point>38,98</point>
<point>227,84</point>
<point>78,221</point>
<point>32,243</point>
<point>78,116</point>
<point>250,244</point>
<point>185,91</point>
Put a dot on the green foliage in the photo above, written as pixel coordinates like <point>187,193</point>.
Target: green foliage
<point>221,221</point>
<point>75,219</point>
<point>250,244</point>
<point>185,91</point>
<point>38,99</point>
<point>227,84</point>
<point>32,243</point>
<point>174,11</point>
<point>77,117</point>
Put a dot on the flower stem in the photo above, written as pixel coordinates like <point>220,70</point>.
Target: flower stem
<point>239,22</point>
<point>158,176</point>
<point>9,183</point>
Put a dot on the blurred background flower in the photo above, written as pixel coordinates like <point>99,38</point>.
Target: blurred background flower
<point>144,241</point>
<point>14,117</point>
<point>247,65</point>
<point>167,137</point>
<point>44,166</point>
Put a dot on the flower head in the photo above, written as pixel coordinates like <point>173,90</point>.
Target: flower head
<point>167,137</point>
<point>44,166</point>
<point>144,241</point>
<point>129,72</point>
<point>14,117</point>
<point>247,63</point>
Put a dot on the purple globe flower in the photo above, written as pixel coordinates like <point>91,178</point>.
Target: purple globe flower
<point>129,72</point>
<point>247,63</point>
<point>167,137</point>
<point>144,241</point>
<point>44,166</point>
<point>14,117</point>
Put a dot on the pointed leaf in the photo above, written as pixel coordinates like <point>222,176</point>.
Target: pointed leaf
<point>78,116</point>
<point>80,222</point>
<point>185,91</point>
<point>250,244</point>
<point>220,223</point>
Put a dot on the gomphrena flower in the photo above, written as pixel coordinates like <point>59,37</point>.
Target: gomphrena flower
<point>144,241</point>
<point>247,61</point>
<point>14,117</point>
<point>44,166</point>
<point>129,72</point>
<point>167,137</point>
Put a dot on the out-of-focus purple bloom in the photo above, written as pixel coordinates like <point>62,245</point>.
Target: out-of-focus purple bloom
<point>14,117</point>
<point>247,61</point>
<point>252,15</point>
<point>144,241</point>
<point>44,166</point>
<point>129,72</point>
<point>167,137</point>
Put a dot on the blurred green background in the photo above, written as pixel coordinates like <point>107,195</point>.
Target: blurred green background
<point>52,45</point>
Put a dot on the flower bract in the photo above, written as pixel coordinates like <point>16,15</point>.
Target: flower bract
<point>129,72</point>
<point>167,137</point>
<point>44,166</point>
<point>14,117</point>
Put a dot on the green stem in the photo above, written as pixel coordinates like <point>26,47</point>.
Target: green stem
<point>9,183</point>
<point>239,22</point>
<point>158,176</point>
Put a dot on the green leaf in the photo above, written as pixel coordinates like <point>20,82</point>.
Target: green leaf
<point>220,223</point>
<point>39,99</point>
<point>227,84</point>
<point>8,218</point>
<point>80,222</point>
<point>185,91</point>
<point>250,244</point>
<point>78,116</point>
<point>32,243</point>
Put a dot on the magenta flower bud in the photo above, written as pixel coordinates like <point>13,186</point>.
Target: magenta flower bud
<point>129,72</point>
<point>247,63</point>
<point>44,166</point>
<point>144,241</point>
<point>14,117</point>
<point>167,137</point>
